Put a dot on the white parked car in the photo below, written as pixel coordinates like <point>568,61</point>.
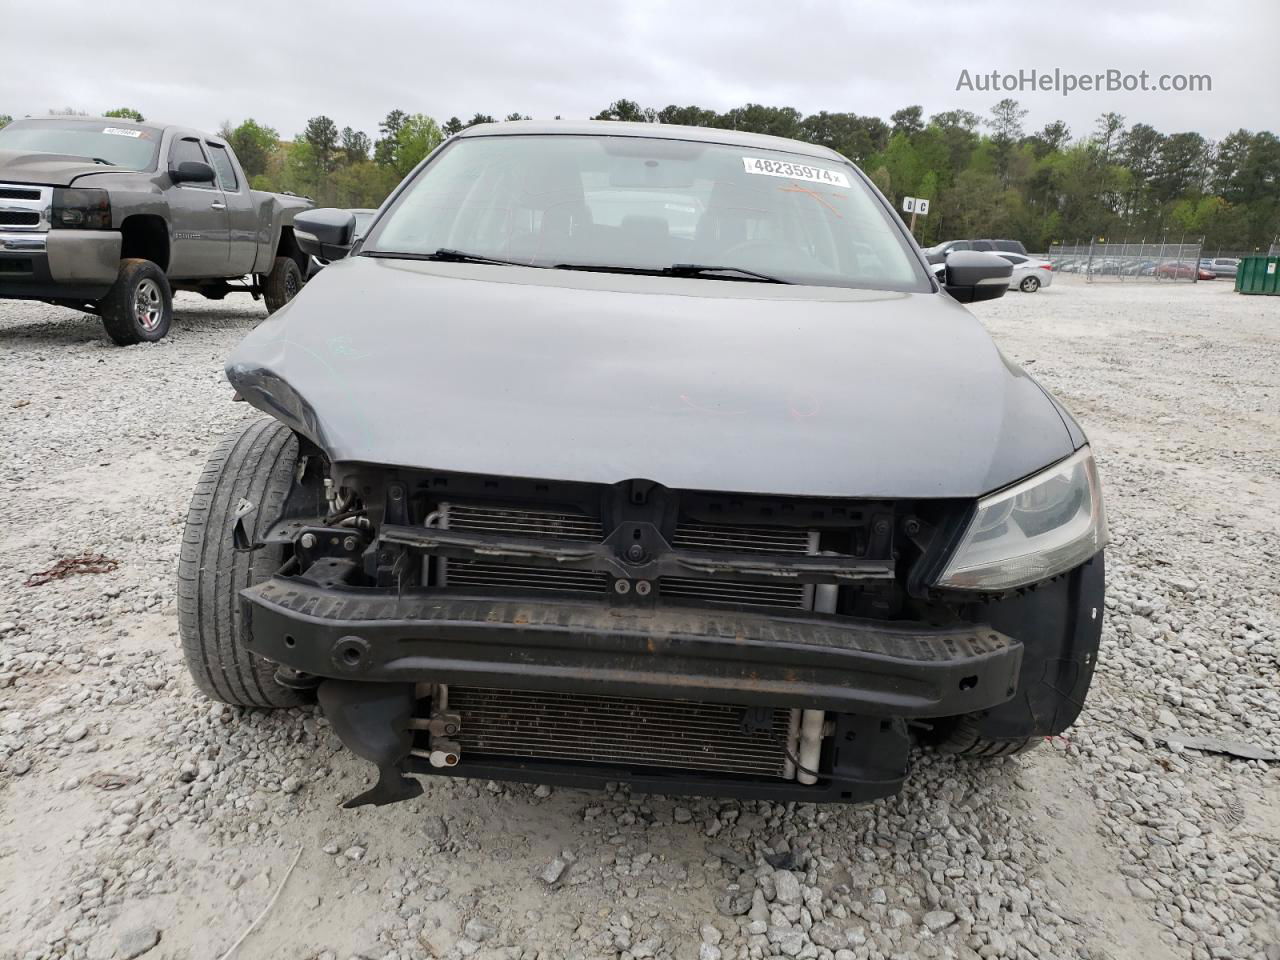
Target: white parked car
<point>1029,274</point>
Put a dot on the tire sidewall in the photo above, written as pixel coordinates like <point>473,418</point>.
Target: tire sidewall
<point>1029,284</point>
<point>117,308</point>
<point>258,464</point>
<point>277,286</point>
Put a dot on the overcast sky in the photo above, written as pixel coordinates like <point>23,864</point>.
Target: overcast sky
<point>282,61</point>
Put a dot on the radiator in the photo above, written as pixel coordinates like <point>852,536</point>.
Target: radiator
<point>621,731</point>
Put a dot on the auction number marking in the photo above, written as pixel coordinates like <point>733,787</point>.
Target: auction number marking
<point>794,171</point>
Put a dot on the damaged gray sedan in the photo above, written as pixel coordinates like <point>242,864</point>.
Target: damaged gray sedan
<point>623,452</point>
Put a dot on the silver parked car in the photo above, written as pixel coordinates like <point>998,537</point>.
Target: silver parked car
<point>1029,273</point>
<point>1221,267</point>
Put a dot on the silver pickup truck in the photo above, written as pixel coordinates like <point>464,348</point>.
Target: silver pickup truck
<point>110,217</point>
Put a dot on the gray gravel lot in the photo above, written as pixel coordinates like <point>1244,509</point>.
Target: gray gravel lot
<point>139,819</point>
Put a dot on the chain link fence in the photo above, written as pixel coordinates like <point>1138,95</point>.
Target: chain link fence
<point>1155,262</point>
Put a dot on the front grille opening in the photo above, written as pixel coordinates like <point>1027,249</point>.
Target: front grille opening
<point>16,267</point>
<point>18,193</point>
<point>521,522</point>
<point>693,535</point>
<point>791,595</point>
<point>519,577</point>
<point>620,731</point>
<point>547,523</point>
<point>19,218</point>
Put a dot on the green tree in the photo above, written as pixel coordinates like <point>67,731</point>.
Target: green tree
<point>928,190</point>
<point>1252,184</point>
<point>687,116</point>
<point>627,110</point>
<point>451,126</point>
<point>1051,139</point>
<point>126,113</point>
<point>1139,149</point>
<point>253,144</point>
<point>883,181</point>
<point>1006,130</point>
<point>384,151</point>
<point>5,119</point>
<point>908,120</point>
<point>976,206</point>
<point>363,184</point>
<point>846,133</point>
<point>1181,167</point>
<point>480,118</point>
<point>321,135</point>
<point>516,116</point>
<point>355,146</point>
<point>957,133</point>
<point>417,137</point>
<point>1108,133</point>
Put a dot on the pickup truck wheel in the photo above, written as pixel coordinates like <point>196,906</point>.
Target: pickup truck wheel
<point>139,306</point>
<point>283,283</point>
<point>959,735</point>
<point>255,465</point>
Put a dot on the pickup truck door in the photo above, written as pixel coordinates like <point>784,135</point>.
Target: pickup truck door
<point>198,233</point>
<point>242,216</point>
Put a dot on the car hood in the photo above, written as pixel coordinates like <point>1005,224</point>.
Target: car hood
<point>46,169</point>
<point>693,384</point>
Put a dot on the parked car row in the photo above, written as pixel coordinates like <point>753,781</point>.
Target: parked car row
<point>1134,267</point>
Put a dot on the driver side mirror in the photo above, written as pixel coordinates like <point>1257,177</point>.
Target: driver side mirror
<point>192,171</point>
<point>970,276</point>
<point>326,233</point>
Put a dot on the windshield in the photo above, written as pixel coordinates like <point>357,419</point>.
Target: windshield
<point>125,145</point>
<point>648,204</point>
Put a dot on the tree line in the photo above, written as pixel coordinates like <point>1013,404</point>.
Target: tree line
<point>984,176</point>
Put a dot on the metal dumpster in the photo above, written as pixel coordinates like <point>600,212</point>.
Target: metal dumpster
<point>1259,275</point>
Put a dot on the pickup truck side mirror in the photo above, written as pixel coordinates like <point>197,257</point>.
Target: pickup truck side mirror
<point>326,233</point>
<point>192,171</point>
<point>970,276</point>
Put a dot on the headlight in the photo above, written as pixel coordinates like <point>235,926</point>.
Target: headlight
<point>1032,531</point>
<point>81,209</point>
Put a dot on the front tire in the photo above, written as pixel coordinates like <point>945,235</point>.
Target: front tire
<point>283,283</point>
<point>1029,284</point>
<point>959,736</point>
<point>256,464</point>
<point>139,306</point>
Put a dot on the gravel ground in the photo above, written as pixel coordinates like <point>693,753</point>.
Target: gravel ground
<point>139,819</point>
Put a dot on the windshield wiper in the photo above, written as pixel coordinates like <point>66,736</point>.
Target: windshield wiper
<point>461,256</point>
<point>701,269</point>
<point>448,255</point>
<point>675,270</point>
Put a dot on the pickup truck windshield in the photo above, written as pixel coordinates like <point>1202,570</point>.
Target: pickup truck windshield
<point>645,204</point>
<point>126,145</point>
